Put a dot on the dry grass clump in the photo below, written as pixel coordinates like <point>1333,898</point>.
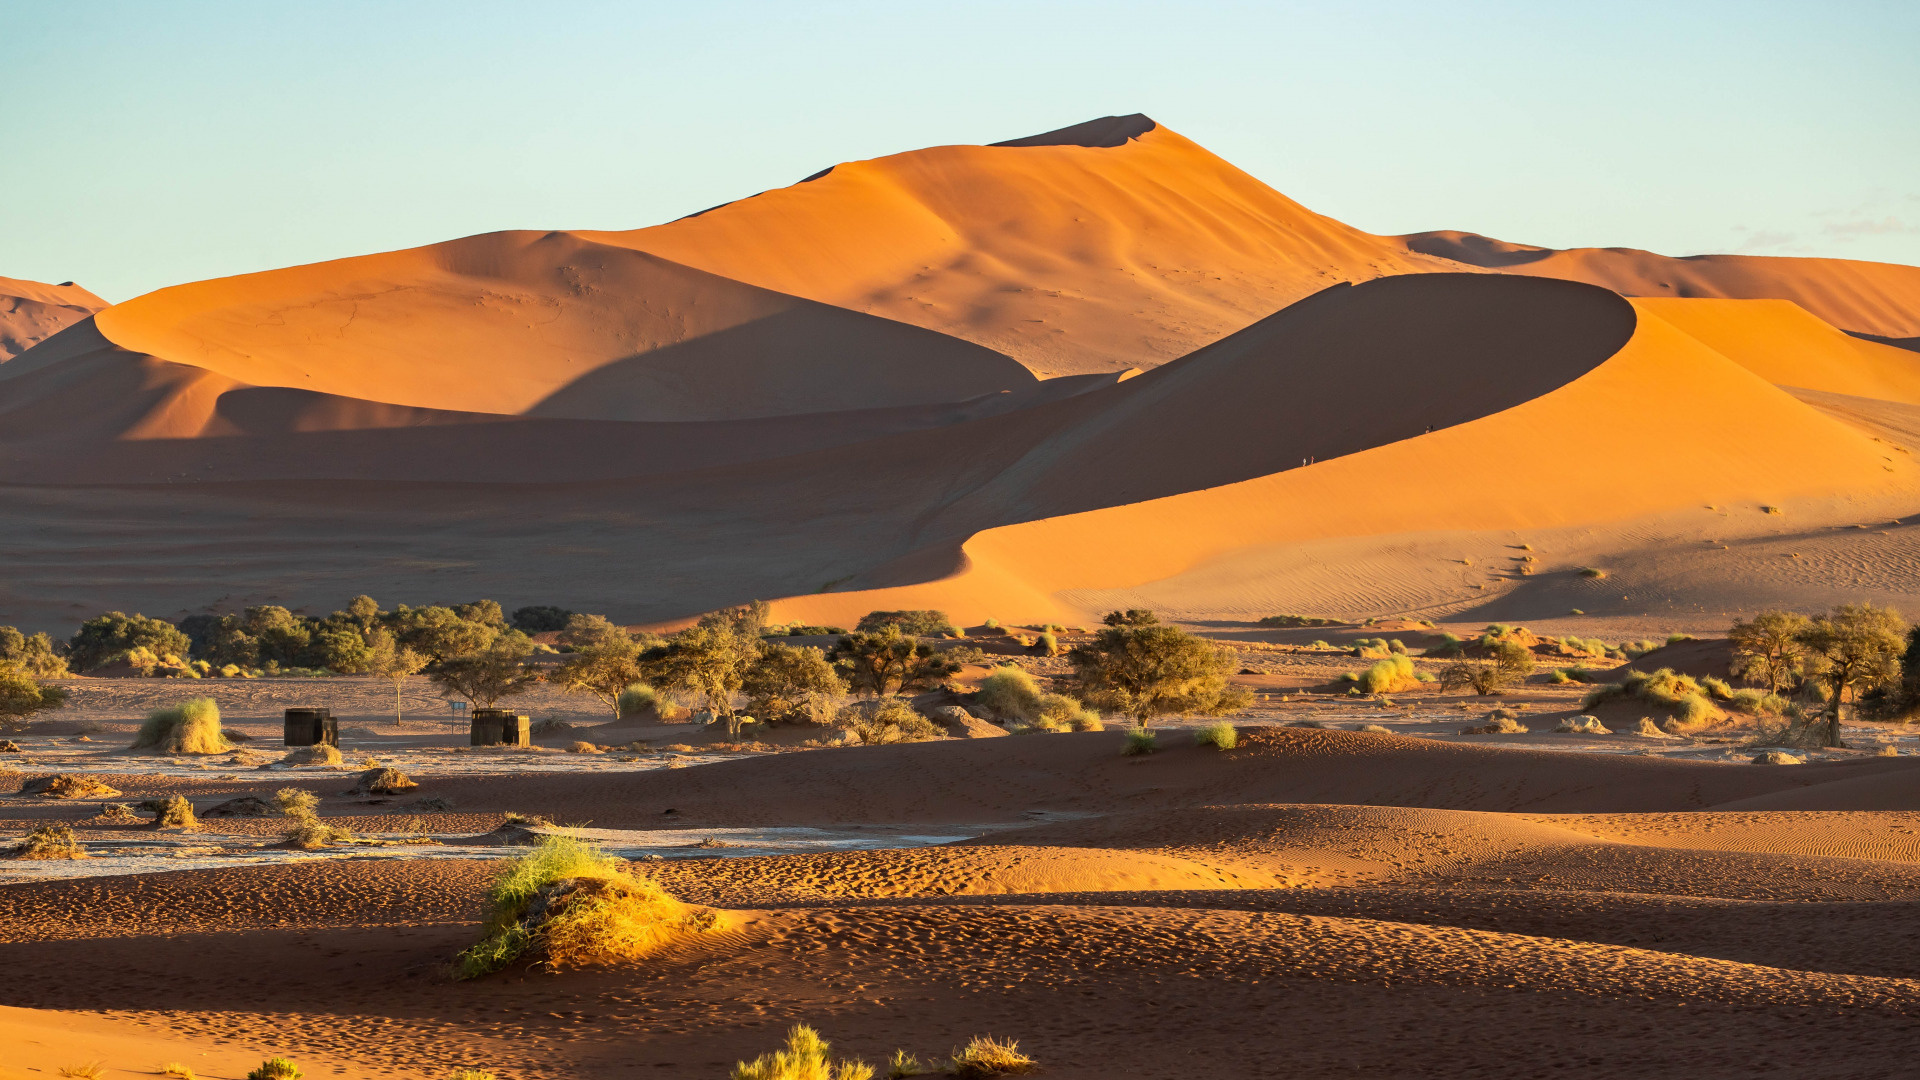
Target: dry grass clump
<point>91,1070</point>
<point>1498,722</point>
<point>1680,695</point>
<point>191,727</point>
<point>1015,697</point>
<point>317,754</point>
<point>902,1065</point>
<point>1777,757</point>
<point>888,720</point>
<point>305,830</point>
<point>1392,675</point>
<point>471,1074</point>
<point>571,906</point>
<point>1583,725</point>
<point>383,781</point>
<point>1646,727</point>
<point>172,812</point>
<point>584,748</point>
<point>1223,736</point>
<point>48,843</point>
<point>68,786</point>
<point>985,1055</point>
<point>804,1058</point>
<point>178,1070</point>
<point>1139,741</point>
<point>276,1068</point>
<point>8,746</point>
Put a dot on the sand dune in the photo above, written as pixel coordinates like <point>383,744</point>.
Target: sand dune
<point>32,311</point>
<point>1108,245</point>
<point>549,324</point>
<point>1881,299</point>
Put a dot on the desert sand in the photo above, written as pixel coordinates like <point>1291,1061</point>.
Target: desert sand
<point>1036,381</point>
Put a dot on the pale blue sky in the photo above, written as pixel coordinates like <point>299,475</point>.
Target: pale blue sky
<point>150,143</point>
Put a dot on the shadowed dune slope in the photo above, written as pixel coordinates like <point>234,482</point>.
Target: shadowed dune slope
<point>1881,299</point>
<point>1112,244</point>
<point>32,311</point>
<point>1724,435</point>
<point>549,324</point>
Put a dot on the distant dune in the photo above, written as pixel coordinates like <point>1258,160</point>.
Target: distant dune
<point>1094,367</point>
<point>32,311</point>
<point>1878,299</point>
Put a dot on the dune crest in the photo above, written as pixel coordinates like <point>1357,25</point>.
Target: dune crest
<point>1878,299</point>
<point>33,311</point>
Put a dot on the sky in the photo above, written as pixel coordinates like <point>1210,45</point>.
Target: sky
<point>148,144</point>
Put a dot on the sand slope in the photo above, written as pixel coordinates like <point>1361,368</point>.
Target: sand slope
<point>549,324</point>
<point>32,311</point>
<point>1882,299</point>
<point>1112,244</point>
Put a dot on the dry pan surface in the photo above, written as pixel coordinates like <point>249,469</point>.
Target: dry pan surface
<point>1611,924</point>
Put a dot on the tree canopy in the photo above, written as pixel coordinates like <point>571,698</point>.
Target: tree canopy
<point>1156,670</point>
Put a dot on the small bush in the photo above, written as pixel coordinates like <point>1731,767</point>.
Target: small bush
<point>1592,572</point>
<point>1139,741</point>
<point>985,1055</point>
<point>888,720</point>
<point>91,1070</point>
<point>48,843</point>
<point>805,1058</point>
<point>1011,694</point>
<point>638,698</point>
<point>1681,695</point>
<point>1222,735</point>
<point>277,1068</point>
<point>584,748</point>
<point>177,1070</point>
<point>911,623</point>
<point>991,624</point>
<point>384,780</point>
<point>68,786</point>
<point>172,812</point>
<point>317,754</point>
<point>1447,645</point>
<point>191,727</point>
<point>1048,643</point>
<point>1583,725</point>
<point>1389,676</point>
<point>471,1074</point>
<point>570,905</point>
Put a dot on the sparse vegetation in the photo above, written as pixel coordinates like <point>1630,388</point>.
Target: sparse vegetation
<point>304,829</point>
<point>985,1056</point>
<point>48,842</point>
<point>1137,617</point>
<point>1221,736</point>
<point>276,1068</point>
<point>191,727</point>
<point>1140,740</point>
<point>569,905</point>
<point>21,696</point>
<point>1681,696</point>
<point>803,1058</point>
<point>1149,671</point>
<point>485,675</point>
<point>1592,572</point>
<point>172,812</point>
<point>177,1070</point>
<point>911,623</point>
<point>888,720</point>
<point>68,786</point>
<point>1390,676</point>
<point>91,1070</point>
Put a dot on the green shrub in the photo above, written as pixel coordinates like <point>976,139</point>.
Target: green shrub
<point>638,698</point>
<point>191,727</point>
<point>889,720</point>
<point>276,1068</point>
<point>1223,736</point>
<point>1049,643</point>
<point>1139,741</point>
<point>1296,620</point>
<point>1010,693</point>
<point>1680,695</point>
<point>1389,676</point>
<point>911,623</point>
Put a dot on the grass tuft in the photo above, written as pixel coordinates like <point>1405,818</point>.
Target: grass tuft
<point>276,1068</point>
<point>1139,741</point>
<point>804,1058</point>
<point>48,843</point>
<point>574,906</point>
<point>191,727</point>
<point>1221,735</point>
<point>985,1055</point>
<point>178,1071</point>
<point>92,1070</point>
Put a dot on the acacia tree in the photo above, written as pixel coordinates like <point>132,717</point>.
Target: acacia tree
<point>785,677</point>
<point>487,675</point>
<point>605,660</point>
<point>1857,647</point>
<point>1769,647</point>
<point>709,659</point>
<point>1155,669</point>
<point>886,660</point>
<point>392,661</point>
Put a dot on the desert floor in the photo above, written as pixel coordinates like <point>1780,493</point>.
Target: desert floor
<point>1317,902</point>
